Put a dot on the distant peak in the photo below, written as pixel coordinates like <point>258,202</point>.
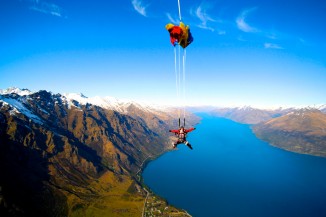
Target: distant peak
<point>307,109</point>
<point>75,95</point>
<point>16,90</point>
<point>82,95</point>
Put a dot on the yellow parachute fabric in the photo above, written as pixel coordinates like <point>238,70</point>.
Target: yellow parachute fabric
<point>183,37</point>
<point>169,26</point>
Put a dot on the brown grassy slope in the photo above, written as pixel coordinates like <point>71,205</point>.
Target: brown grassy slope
<point>302,131</point>
<point>81,161</point>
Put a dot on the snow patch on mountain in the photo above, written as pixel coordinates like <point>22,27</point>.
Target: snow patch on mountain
<point>17,107</point>
<point>108,102</point>
<point>128,106</point>
<point>322,108</point>
<point>16,90</point>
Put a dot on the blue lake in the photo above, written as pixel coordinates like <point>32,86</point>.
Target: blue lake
<point>231,173</point>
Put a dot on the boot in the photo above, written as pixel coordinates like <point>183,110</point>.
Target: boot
<point>188,144</point>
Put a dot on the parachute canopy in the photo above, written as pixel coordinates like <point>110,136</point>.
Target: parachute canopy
<point>179,34</point>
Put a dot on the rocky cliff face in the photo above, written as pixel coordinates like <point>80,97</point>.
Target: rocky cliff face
<point>61,157</point>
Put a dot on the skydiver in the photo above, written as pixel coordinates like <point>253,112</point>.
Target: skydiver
<point>181,133</point>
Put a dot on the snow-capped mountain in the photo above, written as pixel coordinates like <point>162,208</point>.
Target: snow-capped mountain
<point>18,107</point>
<point>19,100</point>
<point>253,115</point>
<point>11,90</point>
<point>248,114</point>
<point>322,108</point>
<point>108,102</point>
<point>243,114</point>
<point>61,150</point>
<point>72,99</point>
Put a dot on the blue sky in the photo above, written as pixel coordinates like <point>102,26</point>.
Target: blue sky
<point>259,53</point>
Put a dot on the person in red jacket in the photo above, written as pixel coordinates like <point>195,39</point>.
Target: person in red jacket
<point>181,133</point>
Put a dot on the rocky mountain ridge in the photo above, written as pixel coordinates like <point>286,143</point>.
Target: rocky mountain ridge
<point>248,114</point>
<point>62,157</point>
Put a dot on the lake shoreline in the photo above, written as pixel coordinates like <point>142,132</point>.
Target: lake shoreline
<point>151,195</point>
<point>230,165</point>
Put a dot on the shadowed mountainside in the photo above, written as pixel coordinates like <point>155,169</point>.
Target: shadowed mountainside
<point>64,158</point>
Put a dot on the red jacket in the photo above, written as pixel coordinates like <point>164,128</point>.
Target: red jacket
<point>182,133</point>
<point>185,130</point>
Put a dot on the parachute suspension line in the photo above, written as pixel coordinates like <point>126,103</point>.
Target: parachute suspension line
<point>177,80</point>
<point>181,84</point>
<point>184,85</point>
<point>176,72</point>
<point>184,76</point>
<point>179,10</point>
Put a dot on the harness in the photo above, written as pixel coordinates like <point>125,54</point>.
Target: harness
<point>182,135</point>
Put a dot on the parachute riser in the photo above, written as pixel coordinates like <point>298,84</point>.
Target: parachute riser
<point>184,122</point>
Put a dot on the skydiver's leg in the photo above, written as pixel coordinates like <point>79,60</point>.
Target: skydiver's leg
<point>176,143</point>
<point>188,144</point>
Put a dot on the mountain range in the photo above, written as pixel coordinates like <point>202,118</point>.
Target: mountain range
<point>301,130</point>
<point>69,155</point>
<point>249,115</point>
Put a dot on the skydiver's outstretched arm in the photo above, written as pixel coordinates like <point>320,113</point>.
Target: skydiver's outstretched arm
<point>189,130</point>
<point>174,131</point>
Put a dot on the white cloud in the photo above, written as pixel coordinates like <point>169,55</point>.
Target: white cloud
<point>139,7</point>
<point>46,7</point>
<point>202,15</point>
<point>172,20</point>
<point>241,21</point>
<point>272,46</point>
